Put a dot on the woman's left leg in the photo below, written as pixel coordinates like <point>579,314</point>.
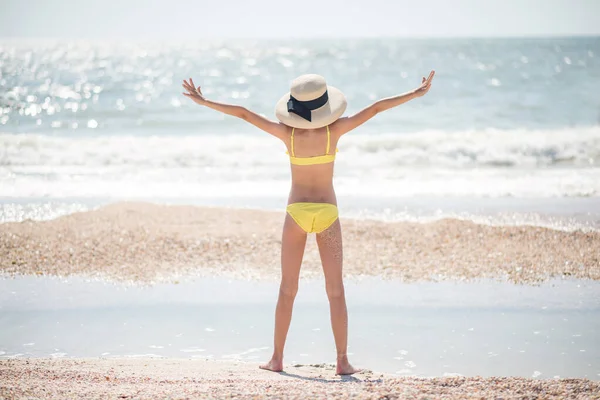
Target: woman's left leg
<point>293,241</point>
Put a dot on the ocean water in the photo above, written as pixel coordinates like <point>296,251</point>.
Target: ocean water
<point>480,328</point>
<point>82,121</point>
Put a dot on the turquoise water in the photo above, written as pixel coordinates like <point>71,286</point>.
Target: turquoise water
<point>134,88</point>
<point>514,118</point>
<point>426,329</point>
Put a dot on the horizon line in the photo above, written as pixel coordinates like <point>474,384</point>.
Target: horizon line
<point>317,37</point>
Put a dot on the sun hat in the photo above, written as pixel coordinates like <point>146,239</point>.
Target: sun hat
<point>310,103</point>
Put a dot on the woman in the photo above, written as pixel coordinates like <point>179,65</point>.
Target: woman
<point>310,125</point>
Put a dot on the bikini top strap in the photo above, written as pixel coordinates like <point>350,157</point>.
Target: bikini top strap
<point>292,143</point>
<point>328,139</point>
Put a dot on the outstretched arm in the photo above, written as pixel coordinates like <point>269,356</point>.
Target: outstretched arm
<point>346,124</point>
<point>276,129</point>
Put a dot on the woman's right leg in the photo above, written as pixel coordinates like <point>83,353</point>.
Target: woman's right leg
<point>330,248</point>
<point>293,241</point>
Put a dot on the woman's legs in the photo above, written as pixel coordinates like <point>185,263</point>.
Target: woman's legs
<point>293,241</point>
<point>330,249</point>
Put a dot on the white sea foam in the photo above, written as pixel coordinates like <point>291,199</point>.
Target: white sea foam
<point>491,163</point>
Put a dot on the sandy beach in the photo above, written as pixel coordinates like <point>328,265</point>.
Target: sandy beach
<point>200,379</point>
<point>146,242</point>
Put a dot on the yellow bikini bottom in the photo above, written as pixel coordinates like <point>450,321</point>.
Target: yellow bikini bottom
<point>313,217</point>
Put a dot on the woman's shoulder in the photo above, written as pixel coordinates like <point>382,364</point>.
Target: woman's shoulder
<point>336,128</point>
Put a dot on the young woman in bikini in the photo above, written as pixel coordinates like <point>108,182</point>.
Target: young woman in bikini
<point>310,124</point>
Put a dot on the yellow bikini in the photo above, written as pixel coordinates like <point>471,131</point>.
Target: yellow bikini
<point>312,217</point>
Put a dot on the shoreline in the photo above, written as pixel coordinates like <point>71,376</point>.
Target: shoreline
<point>145,378</point>
<point>562,214</point>
<point>147,243</point>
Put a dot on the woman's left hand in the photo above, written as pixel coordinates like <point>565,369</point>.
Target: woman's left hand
<point>193,93</point>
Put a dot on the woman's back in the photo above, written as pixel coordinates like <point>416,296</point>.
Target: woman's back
<point>312,154</point>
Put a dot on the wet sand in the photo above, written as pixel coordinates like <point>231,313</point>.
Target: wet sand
<point>147,243</point>
<point>203,379</point>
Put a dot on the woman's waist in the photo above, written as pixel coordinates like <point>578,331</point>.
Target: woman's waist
<point>312,194</point>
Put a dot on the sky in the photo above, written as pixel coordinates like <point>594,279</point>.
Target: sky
<point>197,19</point>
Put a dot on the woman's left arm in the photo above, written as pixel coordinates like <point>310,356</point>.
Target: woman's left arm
<point>276,129</point>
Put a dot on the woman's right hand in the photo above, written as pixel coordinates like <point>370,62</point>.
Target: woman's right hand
<point>425,85</point>
<point>193,93</point>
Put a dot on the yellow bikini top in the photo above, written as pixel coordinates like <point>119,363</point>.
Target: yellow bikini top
<point>324,159</point>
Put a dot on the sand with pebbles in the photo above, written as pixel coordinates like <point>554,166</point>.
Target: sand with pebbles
<point>146,242</point>
<point>205,379</point>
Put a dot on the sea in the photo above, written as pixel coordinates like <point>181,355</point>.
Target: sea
<point>508,134</point>
<point>425,329</point>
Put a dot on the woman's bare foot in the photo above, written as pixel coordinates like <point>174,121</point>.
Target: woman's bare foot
<point>344,367</point>
<point>273,365</point>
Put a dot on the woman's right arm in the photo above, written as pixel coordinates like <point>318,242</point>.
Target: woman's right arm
<point>346,124</point>
<point>276,129</point>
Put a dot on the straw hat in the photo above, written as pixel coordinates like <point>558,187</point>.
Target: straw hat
<point>310,103</point>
